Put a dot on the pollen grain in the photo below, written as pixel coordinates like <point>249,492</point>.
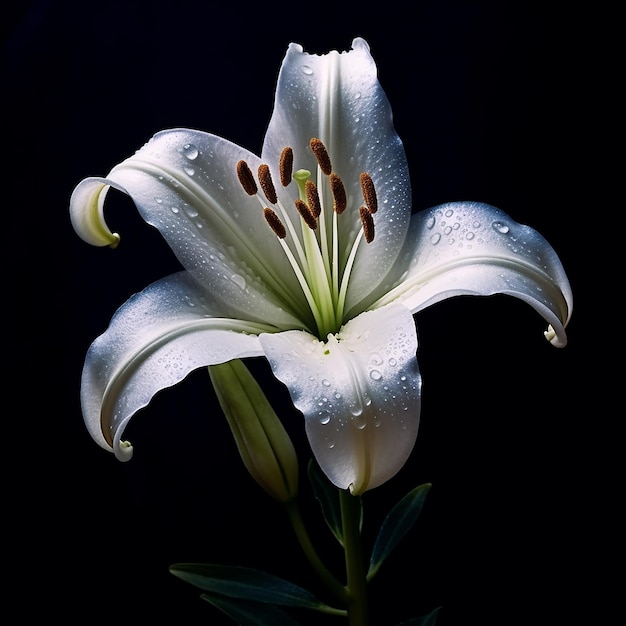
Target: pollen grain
<point>244,174</point>
<point>267,184</point>
<point>274,222</point>
<point>340,201</point>
<point>321,154</point>
<point>369,192</point>
<point>306,214</point>
<point>368,224</point>
<point>313,198</point>
<point>285,166</point>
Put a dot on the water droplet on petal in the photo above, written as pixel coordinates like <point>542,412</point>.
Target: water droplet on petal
<point>430,222</point>
<point>325,382</point>
<point>376,359</point>
<point>500,227</point>
<point>435,238</point>
<point>356,409</point>
<point>239,280</point>
<point>375,375</point>
<point>306,70</point>
<point>325,419</point>
<point>190,151</point>
<point>359,423</point>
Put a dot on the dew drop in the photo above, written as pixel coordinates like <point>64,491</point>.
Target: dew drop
<point>305,69</point>
<point>175,209</point>
<point>500,227</point>
<point>190,151</point>
<point>469,235</point>
<point>430,222</point>
<point>158,200</point>
<point>375,375</point>
<point>190,171</point>
<point>356,409</point>
<point>359,423</point>
<point>435,239</point>
<point>376,359</point>
<point>325,419</point>
<point>393,362</point>
<point>325,382</point>
<point>239,280</point>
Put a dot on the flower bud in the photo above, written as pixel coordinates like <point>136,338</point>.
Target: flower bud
<point>262,441</point>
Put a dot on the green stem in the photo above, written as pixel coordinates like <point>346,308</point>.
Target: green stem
<point>295,517</point>
<point>358,614</point>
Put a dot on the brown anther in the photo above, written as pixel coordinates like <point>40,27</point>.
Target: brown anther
<point>305,214</point>
<point>368,224</point>
<point>244,174</point>
<point>369,193</point>
<point>274,222</point>
<point>313,198</point>
<point>321,154</point>
<point>339,194</point>
<point>267,184</point>
<point>285,166</point>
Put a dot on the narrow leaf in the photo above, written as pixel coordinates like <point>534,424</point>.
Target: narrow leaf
<point>397,523</point>
<point>328,497</point>
<point>246,613</point>
<point>246,584</point>
<point>424,620</point>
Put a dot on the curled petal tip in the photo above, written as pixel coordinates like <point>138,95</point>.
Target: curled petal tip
<point>124,451</point>
<point>551,335</point>
<point>87,213</point>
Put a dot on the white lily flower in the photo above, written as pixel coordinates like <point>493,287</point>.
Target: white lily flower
<point>308,255</point>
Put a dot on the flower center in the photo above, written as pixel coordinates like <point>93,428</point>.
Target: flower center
<point>314,251</point>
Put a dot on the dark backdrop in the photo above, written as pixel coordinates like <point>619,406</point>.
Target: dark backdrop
<point>486,97</point>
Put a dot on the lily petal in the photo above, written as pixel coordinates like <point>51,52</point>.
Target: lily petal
<point>337,98</point>
<point>154,340</point>
<point>471,248</point>
<point>359,393</point>
<point>184,183</point>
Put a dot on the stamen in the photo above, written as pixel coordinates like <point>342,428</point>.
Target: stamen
<point>368,224</point>
<point>267,184</point>
<point>321,154</point>
<point>369,193</point>
<point>274,222</point>
<point>306,214</point>
<point>246,178</point>
<point>313,198</point>
<point>339,194</point>
<point>285,166</point>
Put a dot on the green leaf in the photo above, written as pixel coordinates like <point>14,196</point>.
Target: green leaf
<point>328,497</point>
<point>246,584</point>
<point>424,620</point>
<point>397,523</point>
<point>247,613</point>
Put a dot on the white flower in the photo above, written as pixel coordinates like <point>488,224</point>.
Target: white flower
<point>308,255</point>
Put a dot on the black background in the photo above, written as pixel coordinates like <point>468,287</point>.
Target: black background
<point>490,100</point>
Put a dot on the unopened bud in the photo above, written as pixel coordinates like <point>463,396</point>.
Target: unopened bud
<point>262,441</point>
